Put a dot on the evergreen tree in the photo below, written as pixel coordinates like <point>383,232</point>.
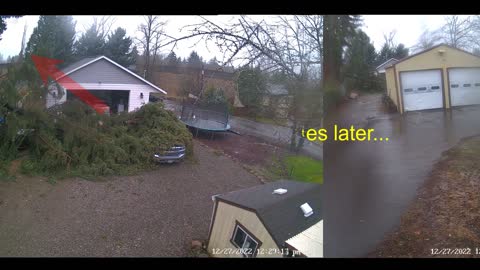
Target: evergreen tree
<point>386,52</point>
<point>119,48</point>
<point>91,43</point>
<point>172,59</point>
<point>194,59</point>
<point>360,59</point>
<point>213,62</point>
<point>53,37</point>
<point>337,29</point>
<point>252,86</point>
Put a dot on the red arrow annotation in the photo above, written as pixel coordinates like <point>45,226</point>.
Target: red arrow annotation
<point>46,67</point>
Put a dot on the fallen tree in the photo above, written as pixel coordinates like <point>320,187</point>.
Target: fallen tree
<point>73,140</point>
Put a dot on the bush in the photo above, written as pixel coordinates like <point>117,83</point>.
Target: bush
<point>75,141</point>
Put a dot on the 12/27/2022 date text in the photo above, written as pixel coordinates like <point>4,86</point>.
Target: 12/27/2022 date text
<point>455,251</point>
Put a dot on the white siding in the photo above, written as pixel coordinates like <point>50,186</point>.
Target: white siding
<point>134,101</point>
<point>52,96</point>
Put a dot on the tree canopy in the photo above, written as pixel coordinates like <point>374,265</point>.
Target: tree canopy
<point>119,48</point>
<point>90,43</point>
<point>53,37</point>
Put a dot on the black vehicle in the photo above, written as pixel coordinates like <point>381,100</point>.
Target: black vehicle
<point>174,154</point>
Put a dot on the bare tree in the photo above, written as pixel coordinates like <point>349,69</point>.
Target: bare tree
<point>24,41</point>
<point>152,31</point>
<point>458,32</point>
<point>291,44</point>
<point>102,25</point>
<point>427,40</point>
<point>389,39</point>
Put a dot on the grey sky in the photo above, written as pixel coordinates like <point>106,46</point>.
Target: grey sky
<point>408,29</point>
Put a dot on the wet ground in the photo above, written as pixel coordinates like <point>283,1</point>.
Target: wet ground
<point>370,184</point>
<point>156,213</point>
<point>444,219</point>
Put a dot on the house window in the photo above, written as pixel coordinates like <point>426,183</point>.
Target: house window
<point>245,241</point>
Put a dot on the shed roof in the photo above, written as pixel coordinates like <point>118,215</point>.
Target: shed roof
<point>280,214</point>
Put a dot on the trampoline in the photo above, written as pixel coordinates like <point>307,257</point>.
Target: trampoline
<point>211,118</point>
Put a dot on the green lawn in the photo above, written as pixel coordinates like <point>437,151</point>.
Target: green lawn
<point>302,168</point>
<point>265,120</point>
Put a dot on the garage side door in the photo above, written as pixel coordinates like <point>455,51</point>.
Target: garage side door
<point>422,90</point>
<point>464,86</point>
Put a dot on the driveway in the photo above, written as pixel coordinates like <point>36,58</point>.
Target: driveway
<point>273,133</point>
<point>157,213</point>
<point>371,184</point>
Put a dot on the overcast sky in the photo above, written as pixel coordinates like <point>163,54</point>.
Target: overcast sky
<point>408,29</point>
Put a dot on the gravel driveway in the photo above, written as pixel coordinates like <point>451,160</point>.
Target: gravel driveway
<point>157,213</point>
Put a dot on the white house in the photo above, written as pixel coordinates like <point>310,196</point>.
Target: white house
<point>120,88</point>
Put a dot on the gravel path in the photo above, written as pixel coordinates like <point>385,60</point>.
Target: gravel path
<point>157,213</point>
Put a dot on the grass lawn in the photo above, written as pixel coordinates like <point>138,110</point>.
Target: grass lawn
<point>302,168</point>
<point>271,121</point>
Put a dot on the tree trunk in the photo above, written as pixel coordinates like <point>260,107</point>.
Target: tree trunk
<point>331,65</point>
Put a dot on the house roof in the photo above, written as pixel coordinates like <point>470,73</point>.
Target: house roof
<point>280,214</point>
<point>429,49</point>
<point>387,63</point>
<point>88,61</point>
<point>276,89</point>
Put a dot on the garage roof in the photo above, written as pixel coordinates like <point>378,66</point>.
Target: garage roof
<point>429,49</point>
<point>88,61</point>
<point>280,214</point>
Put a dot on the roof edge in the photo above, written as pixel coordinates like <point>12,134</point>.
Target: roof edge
<point>432,48</point>
<point>118,65</point>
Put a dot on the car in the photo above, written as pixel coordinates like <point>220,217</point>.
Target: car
<point>174,154</point>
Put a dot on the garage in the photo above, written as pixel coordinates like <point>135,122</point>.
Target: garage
<point>438,77</point>
<point>464,86</point>
<point>422,90</point>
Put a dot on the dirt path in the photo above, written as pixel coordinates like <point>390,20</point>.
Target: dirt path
<point>157,213</point>
<point>444,219</point>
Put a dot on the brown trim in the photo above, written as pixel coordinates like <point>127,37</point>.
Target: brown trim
<point>399,102</point>
<point>258,216</point>
<point>212,221</point>
<point>428,69</point>
<point>449,88</point>
<point>444,99</point>
<point>259,243</point>
<point>434,47</point>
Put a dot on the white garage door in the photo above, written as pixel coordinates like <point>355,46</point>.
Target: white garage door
<point>422,90</point>
<point>464,86</point>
